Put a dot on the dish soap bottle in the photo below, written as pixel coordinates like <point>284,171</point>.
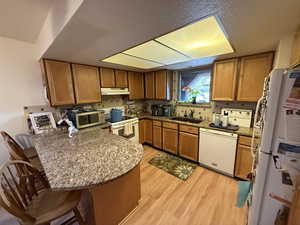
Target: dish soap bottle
<point>225,119</point>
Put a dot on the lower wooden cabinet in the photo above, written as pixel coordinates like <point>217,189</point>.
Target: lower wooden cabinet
<point>145,131</point>
<point>170,140</point>
<point>157,137</point>
<point>142,131</point>
<point>148,131</point>
<point>188,146</point>
<point>243,163</point>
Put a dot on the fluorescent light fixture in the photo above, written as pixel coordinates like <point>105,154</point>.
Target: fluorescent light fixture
<point>198,40</point>
<point>132,61</point>
<point>202,39</point>
<point>155,51</point>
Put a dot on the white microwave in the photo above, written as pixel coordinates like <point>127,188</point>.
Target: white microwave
<point>86,119</point>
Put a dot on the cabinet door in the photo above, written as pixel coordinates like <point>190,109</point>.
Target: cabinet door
<point>161,84</point>
<point>148,131</point>
<point>224,80</point>
<point>170,140</point>
<point>121,79</point>
<point>157,140</point>
<point>86,84</point>
<point>107,78</point>
<point>136,85</point>
<point>150,85</point>
<point>243,162</point>
<point>188,146</point>
<point>60,84</point>
<point>295,58</point>
<point>253,71</point>
<point>142,131</point>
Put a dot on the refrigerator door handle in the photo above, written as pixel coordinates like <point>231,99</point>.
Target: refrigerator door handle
<point>277,162</point>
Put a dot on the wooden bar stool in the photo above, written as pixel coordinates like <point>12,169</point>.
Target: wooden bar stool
<point>29,152</point>
<point>17,153</point>
<point>20,197</point>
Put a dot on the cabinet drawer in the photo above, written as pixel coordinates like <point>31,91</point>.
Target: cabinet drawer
<point>243,140</point>
<point>188,129</point>
<point>170,125</point>
<point>156,123</point>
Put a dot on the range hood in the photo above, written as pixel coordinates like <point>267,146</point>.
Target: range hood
<point>114,91</point>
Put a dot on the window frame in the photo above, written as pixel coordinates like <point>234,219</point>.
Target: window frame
<point>203,104</point>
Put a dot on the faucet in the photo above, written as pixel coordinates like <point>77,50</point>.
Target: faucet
<point>72,130</point>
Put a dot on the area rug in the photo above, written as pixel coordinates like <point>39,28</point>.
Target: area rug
<point>173,165</point>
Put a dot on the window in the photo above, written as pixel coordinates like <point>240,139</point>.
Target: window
<point>194,86</point>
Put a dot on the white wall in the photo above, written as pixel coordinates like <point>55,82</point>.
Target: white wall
<point>20,85</point>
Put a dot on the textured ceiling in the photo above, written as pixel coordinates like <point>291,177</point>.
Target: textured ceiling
<point>23,19</point>
<point>102,28</point>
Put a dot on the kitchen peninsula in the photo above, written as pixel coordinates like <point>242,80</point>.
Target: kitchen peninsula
<point>106,164</point>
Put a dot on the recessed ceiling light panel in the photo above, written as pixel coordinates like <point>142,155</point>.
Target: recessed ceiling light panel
<point>132,61</point>
<point>201,39</point>
<point>155,51</point>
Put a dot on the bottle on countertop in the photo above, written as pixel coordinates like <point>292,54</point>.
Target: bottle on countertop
<point>225,119</point>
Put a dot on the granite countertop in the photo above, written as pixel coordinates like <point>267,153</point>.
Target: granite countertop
<point>204,124</point>
<point>92,157</point>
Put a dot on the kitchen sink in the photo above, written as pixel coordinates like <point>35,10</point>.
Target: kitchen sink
<point>186,119</point>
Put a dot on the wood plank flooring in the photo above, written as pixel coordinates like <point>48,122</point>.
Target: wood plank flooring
<point>206,198</point>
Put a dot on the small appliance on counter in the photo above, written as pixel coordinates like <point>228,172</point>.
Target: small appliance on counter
<point>86,118</point>
<point>42,122</point>
<point>232,119</point>
<point>116,115</point>
<point>167,110</point>
<point>157,110</point>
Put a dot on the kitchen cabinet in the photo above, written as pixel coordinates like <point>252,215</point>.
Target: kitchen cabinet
<point>163,80</point>
<point>170,137</point>
<point>148,131</point>
<point>142,131</point>
<point>86,84</point>
<point>145,131</point>
<point>188,145</point>
<point>224,80</point>
<point>60,88</point>
<point>243,163</point>
<point>107,78</point>
<point>295,57</point>
<point>253,70</point>
<point>121,78</point>
<point>157,136</point>
<point>241,79</point>
<point>136,85</point>
<point>150,85</point>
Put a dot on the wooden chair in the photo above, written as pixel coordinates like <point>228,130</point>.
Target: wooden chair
<point>20,198</point>
<point>17,153</point>
<point>29,152</point>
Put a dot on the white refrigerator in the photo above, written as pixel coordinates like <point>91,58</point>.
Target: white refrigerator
<point>277,157</point>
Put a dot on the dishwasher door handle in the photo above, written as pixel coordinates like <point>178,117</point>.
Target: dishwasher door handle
<point>231,135</point>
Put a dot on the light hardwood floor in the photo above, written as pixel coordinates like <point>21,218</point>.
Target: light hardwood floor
<point>206,198</point>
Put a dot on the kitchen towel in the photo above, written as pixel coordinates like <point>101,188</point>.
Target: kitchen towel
<point>128,129</point>
<point>244,190</point>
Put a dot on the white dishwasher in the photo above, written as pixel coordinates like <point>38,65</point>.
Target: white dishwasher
<point>217,150</point>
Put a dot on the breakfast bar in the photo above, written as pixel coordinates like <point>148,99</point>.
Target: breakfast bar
<point>105,164</point>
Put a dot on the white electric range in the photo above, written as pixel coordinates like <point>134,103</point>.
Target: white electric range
<point>128,127</point>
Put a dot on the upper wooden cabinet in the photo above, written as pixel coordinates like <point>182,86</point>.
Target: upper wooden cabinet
<point>253,70</point>
<point>241,79</point>
<point>60,84</point>
<point>224,80</point>
<point>163,80</point>
<point>150,85</point>
<point>136,85</point>
<point>86,83</point>
<point>121,78</point>
<point>107,78</point>
<point>295,58</point>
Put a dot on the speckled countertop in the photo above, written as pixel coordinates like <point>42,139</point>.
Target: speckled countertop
<point>90,158</point>
<point>205,124</point>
